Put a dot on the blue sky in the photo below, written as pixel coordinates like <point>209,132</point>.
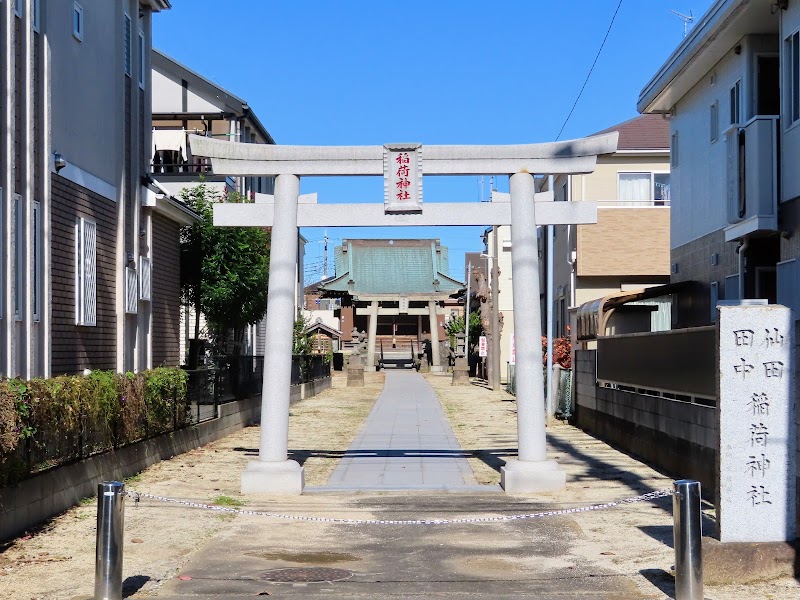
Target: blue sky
<point>506,72</point>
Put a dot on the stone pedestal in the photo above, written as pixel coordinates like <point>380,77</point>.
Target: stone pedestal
<point>524,477</point>
<point>284,478</point>
<point>355,372</point>
<point>424,366</point>
<point>461,372</point>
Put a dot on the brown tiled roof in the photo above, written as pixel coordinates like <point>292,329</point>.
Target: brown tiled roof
<point>645,132</point>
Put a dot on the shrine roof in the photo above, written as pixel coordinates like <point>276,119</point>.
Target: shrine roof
<point>394,267</point>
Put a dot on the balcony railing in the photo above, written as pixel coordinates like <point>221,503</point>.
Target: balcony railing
<point>632,203</point>
<point>752,177</point>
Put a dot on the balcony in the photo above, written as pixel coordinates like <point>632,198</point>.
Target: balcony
<point>629,239</point>
<point>752,178</point>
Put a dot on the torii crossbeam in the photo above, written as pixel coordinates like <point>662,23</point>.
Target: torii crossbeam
<point>525,210</point>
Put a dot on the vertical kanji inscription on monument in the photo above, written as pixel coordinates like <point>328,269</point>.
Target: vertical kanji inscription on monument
<point>756,424</point>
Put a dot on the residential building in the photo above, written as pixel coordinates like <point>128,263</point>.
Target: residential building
<point>627,249</point>
<point>732,92</point>
<point>88,275</point>
<point>185,102</point>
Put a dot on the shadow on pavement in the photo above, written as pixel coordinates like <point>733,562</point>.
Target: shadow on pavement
<point>661,579</point>
<point>599,470</point>
<point>133,584</point>
<point>491,456</point>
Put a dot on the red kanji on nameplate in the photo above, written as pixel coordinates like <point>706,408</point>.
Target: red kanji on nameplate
<point>402,169</point>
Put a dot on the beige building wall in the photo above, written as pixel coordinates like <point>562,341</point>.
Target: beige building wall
<point>603,183</point>
<point>627,248</point>
<point>625,242</point>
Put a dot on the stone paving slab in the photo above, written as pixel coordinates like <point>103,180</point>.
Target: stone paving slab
<point>406,441</point>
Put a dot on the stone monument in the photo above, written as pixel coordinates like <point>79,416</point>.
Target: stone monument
<point>460,365</point>
<point>355,364</point>
<point>756,463</point>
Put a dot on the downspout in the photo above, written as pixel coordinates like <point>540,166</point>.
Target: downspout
<point>742,265</point>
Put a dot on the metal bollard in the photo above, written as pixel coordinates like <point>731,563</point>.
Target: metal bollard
<point>687,537</point>
<point>108,562</point>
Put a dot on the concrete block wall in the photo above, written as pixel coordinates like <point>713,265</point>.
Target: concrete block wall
<point>677,437</point>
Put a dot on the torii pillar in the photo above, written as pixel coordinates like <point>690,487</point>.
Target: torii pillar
<point>531,472</point>
<point>524,211</point>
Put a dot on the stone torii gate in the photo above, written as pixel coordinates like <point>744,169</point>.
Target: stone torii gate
<point>532,471</point>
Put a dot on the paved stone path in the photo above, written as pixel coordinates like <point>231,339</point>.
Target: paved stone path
<point>405,443</point>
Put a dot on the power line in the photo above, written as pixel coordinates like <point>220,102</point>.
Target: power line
<point>590,71</point>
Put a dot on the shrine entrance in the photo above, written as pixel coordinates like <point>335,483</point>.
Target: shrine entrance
<point>402,167</point>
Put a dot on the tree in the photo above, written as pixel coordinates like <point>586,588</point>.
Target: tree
<point>224,270</point>
<point>456,325</point>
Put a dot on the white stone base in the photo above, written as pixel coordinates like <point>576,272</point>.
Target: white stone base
<point>439,369</point>
<point>284,478</point>
<point>524,477</point>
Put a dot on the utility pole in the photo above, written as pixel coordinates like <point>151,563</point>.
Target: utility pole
<point>549,300</point>
<point>466,318</point>
<point>325,259</point>
<point>495,314</point>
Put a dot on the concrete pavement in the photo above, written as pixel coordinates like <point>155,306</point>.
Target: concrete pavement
<point>405,463</point>
<point>520,559</point>
<point>405,443</point>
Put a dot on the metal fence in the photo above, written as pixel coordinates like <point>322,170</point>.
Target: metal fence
<point>677,362</point>
<point>563,399</point>
<point>309,368</point>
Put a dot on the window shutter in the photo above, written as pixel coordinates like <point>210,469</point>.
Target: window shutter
<point>145,275</point>
<point>89,247</point>
<point>131,291</point>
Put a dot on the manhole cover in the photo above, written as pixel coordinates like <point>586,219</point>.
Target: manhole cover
<point>305,575</point>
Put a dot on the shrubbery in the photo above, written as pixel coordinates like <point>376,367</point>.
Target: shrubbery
<point>46,422</point>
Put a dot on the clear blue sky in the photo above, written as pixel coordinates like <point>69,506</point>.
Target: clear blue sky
<point>328,73</point>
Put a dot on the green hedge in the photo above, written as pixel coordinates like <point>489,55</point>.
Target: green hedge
<point>48,422</point>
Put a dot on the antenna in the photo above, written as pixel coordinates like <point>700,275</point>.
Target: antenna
<point>687,20</point>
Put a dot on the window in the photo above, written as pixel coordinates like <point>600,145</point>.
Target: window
<point>77,22</point>
<point>736,103</point>
<point>37,261</point>
<point>131,291</point>
<point>126,45</point>
<point>714,118</point>
<point>643,188</point>
<point>37,14</point>
<point>145,278</point>
<point>714,299</point>
<point>792,77</point>
<point>661,189</point>
<point>673,149</point>
<point>85,272</point>
<point>564,192</point>
<point>18,239</point>
<point>18,8</point>
<point>142,59</point>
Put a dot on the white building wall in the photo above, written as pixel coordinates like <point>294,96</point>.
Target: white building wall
<point>790,136</point>
<point>698,176</point>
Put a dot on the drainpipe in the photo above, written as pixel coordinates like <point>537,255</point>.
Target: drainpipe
<point>742,265</point>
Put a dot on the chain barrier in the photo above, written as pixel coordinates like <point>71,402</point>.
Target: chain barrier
<point>137,496</point>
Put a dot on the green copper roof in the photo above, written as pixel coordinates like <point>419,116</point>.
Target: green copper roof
<point>392,267</point>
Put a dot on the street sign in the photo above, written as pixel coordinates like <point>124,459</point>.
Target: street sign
<point>482,346</point>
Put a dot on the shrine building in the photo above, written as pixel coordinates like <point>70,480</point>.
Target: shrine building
<point>395,290</point>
